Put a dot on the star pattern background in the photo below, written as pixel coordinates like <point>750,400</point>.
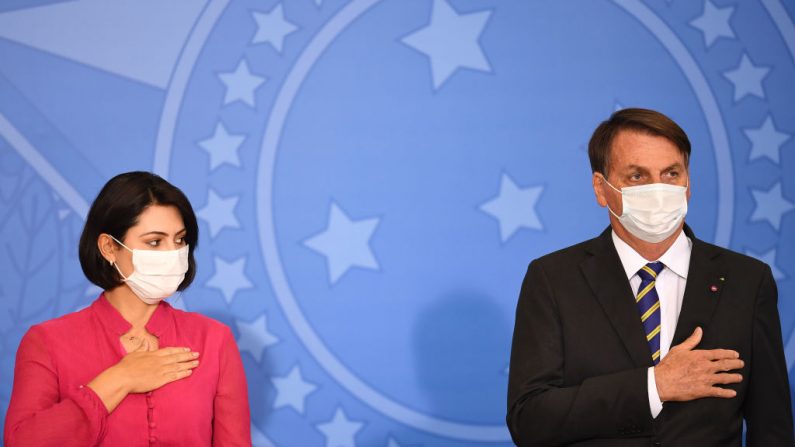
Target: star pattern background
<point>415,157</point>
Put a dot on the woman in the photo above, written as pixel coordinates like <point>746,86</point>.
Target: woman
<point>130,370</point>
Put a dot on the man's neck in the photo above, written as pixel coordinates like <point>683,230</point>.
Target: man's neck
<point>649,250</point>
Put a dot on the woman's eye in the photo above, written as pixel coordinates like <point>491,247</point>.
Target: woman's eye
<point>154,243</point>
<point>181,241</point>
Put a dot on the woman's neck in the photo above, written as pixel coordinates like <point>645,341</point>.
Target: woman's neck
<point>131,308</point>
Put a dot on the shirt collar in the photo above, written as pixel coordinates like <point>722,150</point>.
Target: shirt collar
<point>159,321</point>
<point>676,258</point>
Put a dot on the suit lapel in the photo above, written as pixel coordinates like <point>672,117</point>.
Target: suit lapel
<point>610,285</point>
<point>703,289</point>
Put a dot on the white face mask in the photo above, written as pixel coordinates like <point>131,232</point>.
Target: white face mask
<point>652,212</point>
<point>156,273</point>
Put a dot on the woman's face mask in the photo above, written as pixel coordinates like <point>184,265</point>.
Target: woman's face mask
<point>156,273</point>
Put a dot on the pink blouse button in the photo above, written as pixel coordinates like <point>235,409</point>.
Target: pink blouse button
<point>152,425</point>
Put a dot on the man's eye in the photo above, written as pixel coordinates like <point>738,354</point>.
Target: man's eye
<point>635,176</point>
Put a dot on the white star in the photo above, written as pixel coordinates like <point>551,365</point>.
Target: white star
<point>222,147</point>
<point>273,28</point>
<point>451,41</point>
<point>241,84</point>
<point>769,258</point>
<point>229,278</point>
<point>340,431</point>
<point>747,79</point>
<point>771,205</point>
<point>291,390</point>
<point>714,23</point>
<point>514,207</point>
<point>766,141</point>
<point>345,243</point>
<point>254,337</point>
<point>219,212</point>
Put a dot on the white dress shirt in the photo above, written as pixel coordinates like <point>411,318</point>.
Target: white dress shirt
<point>670,286</point>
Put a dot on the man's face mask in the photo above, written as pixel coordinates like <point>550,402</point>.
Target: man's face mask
<point>652,212</point>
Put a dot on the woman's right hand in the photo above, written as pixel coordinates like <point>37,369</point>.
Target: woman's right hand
<point>141,371</point>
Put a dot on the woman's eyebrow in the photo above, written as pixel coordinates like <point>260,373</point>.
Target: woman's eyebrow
<point>160,233</point>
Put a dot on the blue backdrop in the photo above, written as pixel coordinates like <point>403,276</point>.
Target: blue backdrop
<point>372,177</point>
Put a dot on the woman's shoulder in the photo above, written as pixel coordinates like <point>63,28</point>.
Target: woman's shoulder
<point>196,322</point>
<point>64,323</point>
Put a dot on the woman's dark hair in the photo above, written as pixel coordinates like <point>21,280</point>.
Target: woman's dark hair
<point>644,121</point>
<point>117,208</point>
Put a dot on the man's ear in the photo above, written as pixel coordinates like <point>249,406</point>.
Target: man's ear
<point>598,189</point>
<point>689,186</point>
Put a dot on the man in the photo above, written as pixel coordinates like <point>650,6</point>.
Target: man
<point>645,335</point>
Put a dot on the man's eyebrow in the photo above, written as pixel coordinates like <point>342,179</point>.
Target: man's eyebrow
<point>636,168</point>
<point>676,165</point>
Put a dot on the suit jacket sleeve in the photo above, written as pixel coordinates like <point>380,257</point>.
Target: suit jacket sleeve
<point>767,408</point>
<point>542,409</point>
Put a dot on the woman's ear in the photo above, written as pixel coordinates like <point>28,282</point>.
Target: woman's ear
<point>107,247</point>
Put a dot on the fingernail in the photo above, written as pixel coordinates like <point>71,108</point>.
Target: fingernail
<point>195,354</point>
<point>186,349</point>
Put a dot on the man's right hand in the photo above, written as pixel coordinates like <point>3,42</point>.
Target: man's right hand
<point>688,374</point>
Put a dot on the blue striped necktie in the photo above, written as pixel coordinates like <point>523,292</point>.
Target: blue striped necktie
<point>649,307</point>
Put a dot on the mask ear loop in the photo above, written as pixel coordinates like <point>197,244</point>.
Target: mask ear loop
<point>615,189</point>
<point>118,270</point>
<point>113,263</point>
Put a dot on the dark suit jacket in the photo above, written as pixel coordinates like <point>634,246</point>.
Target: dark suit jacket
<point>579,360</point>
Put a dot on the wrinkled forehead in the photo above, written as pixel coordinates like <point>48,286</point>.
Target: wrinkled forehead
<point>638,150</point>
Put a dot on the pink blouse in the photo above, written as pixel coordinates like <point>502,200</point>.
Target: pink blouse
<point>51,406</point>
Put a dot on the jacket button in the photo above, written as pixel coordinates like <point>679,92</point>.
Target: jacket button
<point>658,444</point>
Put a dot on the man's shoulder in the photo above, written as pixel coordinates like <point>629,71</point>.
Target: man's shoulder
<point>572,254</point>
<point>730,258</point>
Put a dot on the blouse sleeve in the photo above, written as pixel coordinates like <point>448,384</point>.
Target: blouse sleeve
<point>231,418</point>
<point>38,414</point>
